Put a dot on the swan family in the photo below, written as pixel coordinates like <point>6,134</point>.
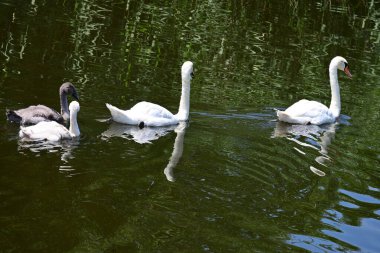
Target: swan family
<point>46,123</point>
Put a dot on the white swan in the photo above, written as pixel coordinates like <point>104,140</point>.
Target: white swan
<point>37,113</point>
<point>312,112</point>
<point>149,114</point>
<point>51,130</point>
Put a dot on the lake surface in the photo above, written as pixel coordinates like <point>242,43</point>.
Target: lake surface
<point>232,179</point>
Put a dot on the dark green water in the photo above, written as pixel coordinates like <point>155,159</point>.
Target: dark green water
<point>233,179</point>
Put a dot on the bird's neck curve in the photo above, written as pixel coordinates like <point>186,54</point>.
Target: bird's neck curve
<point>184,104</point>
<point>335,105</point>
<point>74,128</point>
<point>64,106</point>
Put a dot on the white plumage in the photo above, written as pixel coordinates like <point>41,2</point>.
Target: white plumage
<point>312,112</point>
<point>151,114</point>
<point>307,112</point>
<point>51,130</point>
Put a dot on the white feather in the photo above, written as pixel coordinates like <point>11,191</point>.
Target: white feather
<point>155,115</point>
<point>312,112</point>
<point>51,130</point>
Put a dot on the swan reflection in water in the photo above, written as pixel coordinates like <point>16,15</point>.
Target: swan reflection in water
<point>149,134</point>
<point>319,135</point>
<point>64,147</point>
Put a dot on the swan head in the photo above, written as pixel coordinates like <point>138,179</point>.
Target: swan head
<point>340,63</point>
<point>69,89</point>
<point>187,70</point>
<point>74,107</point>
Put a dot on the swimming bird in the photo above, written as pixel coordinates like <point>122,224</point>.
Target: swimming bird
<point>149,114</point>
<point>51,130</point>
<point>37,113</point>
<point>312,112</point>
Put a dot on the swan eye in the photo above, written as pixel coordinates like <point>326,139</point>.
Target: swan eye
<point>192,74</point>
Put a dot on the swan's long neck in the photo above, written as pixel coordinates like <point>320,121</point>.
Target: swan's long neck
<point>335,93</point>
<point>64,106</point>
<point>184,104</point>
<point>74,128</point>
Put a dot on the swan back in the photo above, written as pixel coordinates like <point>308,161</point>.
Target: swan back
<point>34,114</point>
<point>45,130</point>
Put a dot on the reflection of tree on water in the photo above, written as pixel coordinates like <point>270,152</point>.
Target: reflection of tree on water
<point>148,134</point>
<point>317,137</point>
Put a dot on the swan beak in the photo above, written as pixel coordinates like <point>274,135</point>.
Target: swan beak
<point>192,75</point>
<point>347,71</point>
<point>75,96</point>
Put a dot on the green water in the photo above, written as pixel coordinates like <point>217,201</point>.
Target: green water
<point>231,180</point>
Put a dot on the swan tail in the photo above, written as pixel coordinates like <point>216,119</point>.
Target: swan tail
<point>117,114</point>
<point>13,116</point>
<point>283,116</point>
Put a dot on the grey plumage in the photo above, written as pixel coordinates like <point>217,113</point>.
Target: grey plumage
<point>37,113</point>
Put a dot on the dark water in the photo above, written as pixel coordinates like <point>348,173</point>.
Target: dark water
<point>233,179</point>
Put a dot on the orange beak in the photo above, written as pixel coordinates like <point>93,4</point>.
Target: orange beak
<point>347,71</point>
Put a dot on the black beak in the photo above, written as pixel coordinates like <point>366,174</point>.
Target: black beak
<point>75,96</point>
<point>192,75</point>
